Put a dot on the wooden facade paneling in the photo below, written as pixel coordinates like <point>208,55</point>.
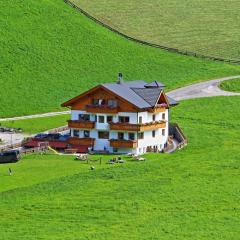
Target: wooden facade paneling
<point>117,143</point>
<point>101,109</point>
<point>157,109</point>
<point>81,124</point>
<point>85,103</point>
<point>81,141</point>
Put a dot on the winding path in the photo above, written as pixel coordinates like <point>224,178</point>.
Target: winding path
<point>50,114</point>
<point>202,89</point>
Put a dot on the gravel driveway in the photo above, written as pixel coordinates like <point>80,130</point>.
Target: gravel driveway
<point>11,138</point>
<point>202,89</point>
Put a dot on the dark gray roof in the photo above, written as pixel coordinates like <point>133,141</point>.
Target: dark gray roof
<point>124,90</point>
<point>150,95</point>
<point>171,101</point>
<point>137,93</point>
<point>154,84</point>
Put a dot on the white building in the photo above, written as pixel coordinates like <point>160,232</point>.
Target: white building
<point>122,117</point>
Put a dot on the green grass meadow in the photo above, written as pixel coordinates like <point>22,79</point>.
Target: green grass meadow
<point>50,53</point>
<point>36,125</point>
<point>208,27</point>
<point>231,86</point>
<point>190,194</point>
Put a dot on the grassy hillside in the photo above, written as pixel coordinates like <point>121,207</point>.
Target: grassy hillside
<point>36,125</point>
<point>232,86</point>
<point>49,53</point>
<point>191,194</point>
<point>209,27</point>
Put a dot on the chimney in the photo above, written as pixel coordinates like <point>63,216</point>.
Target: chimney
<point>120,78</point>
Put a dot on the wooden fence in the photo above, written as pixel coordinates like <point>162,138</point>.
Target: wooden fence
<point>178,134</point>
<point>58,130</point>
<point>175,50</point>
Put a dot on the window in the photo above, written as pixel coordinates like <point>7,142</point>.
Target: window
<point>163,116</point>
<point>84,117</point>
<point>131,136</point>
<point>163,132</point>
<point>109,119</point>
<point>95,101</point>
<point>140,119</point>
<point>76,133</point>
<point>154,117</point>
<point>86,133</point>
<point>141,135</point>
<point>120,135</point>
<point>115,150</point>
<point>122,119</point>
<point>101,119</point>
<point>102,102</point>
<point>112,103</point>
<point>103,135</point>
<point>153,134</point>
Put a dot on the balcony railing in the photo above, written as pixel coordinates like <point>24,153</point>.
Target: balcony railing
<point>137,127</point>
<point>81,141</point>
<point>81,124</point>
<point>101,108</point>
<point>117,143</point>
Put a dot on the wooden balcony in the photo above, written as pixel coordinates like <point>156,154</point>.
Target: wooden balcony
<point>117,143</point>
<point>157,109</point>
<point>81,141</point>
<point>137,127</point>
<point>101,109</point>
<point>81,124</point>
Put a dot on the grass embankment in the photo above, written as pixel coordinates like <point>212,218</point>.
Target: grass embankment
<point>206,27</point>
<point>194,192</point>
<point>50,53</point>
<point>36,125</point>
<point>231,86</point>
<point>37,168</point>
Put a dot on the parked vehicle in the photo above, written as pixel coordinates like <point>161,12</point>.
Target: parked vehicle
<point>9,156</point>
<point>64,137</point>
<point>10,130</point>
<point>48,137</point>
<point>41,136</point>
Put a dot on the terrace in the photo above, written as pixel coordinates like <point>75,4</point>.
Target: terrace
<point>81,124</point>
<point>137,127</point>
<point>81,141</point>
<point>120,143</point>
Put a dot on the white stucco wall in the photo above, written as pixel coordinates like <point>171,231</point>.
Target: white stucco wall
<point>101,144</point>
